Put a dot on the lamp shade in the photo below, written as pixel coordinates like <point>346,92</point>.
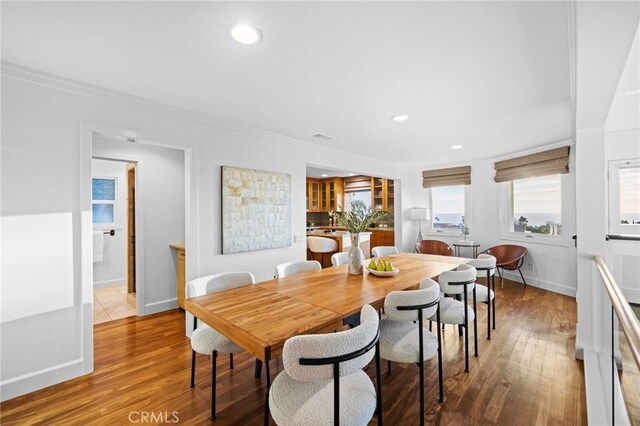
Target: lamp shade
<point>419,214</point>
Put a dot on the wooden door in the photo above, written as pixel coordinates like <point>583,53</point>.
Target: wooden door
<point>131,227</point>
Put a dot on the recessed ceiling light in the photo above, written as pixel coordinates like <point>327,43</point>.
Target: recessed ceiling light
<point>324,175</point>
<point>400,117</point>
<point>245,34</point>
<point>456,146</point>
<point>352,174</point>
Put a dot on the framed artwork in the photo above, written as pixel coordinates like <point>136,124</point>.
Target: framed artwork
<point>256,210</point>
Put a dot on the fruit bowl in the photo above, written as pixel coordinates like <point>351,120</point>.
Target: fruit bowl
<point>383,273</point>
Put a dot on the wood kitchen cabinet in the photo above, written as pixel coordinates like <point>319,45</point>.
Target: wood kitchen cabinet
<point>313,195</point>
<point>382,194</point>
<point>180,271</point>
<point>331,191</point>
<point>382,238</point>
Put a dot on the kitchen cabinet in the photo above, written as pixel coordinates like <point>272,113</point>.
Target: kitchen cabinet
<point>382,238</point>
<point>313,195</point>
<point>382,194</point>
<point>180,272</point>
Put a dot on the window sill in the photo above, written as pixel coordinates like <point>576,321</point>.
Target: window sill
<point>562,241</point>
<point>444,234</point>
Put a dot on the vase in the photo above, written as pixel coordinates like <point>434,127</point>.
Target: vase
<point>356,256</point>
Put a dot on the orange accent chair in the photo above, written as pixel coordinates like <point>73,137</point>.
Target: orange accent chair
<point>509,257</point>
<point>434,247</point>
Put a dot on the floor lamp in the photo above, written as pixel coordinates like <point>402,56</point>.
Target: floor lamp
<point>419,214</point>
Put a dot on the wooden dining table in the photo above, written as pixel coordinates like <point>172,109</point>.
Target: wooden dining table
<point>261,317</point>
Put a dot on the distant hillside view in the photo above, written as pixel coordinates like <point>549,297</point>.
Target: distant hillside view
<point>448,221</point>
<point>537,223</point>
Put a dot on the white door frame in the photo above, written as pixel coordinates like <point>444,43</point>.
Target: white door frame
<point>87,132</point>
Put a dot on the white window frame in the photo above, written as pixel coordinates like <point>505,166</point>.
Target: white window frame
<point>114,224</point>
<point>452,232</point>
<point>506,216</point>
<point>614,197</point>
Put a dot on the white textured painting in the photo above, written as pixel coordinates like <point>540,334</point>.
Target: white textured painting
<point>256,210</point>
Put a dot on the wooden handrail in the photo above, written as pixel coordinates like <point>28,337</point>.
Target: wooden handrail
<point>626,317</point>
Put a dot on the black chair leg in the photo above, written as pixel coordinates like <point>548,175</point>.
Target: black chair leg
<point>495,296</point>
<point>378,384</point>
<point>430,323</point>
<point>439,357</point>
<point>193,368</point>
<point>489,304</point>
<point>522,276</point>
<point>258,370</point>
<point>466,331</point>
<point>459,330</point>
<point>389,367</point>
<point>421,367</point>
<point>266,402</point>
<point>213,384</point>
<point>231,361</point>
<point>475,323</point>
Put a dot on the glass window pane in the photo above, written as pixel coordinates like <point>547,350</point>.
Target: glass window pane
<point>102,213</point>
<point>364,196</point>
<point>537,205</point>
<point>629,195</point>
<point>103,189</point>
<point>447,204</point>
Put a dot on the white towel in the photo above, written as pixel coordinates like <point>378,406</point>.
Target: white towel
<point>98,246</point>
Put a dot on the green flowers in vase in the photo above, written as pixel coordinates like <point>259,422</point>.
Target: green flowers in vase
<point>359,218</point>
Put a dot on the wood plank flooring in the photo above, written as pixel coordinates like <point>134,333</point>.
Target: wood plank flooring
<point>526,374</point>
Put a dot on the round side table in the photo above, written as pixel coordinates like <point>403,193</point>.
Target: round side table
<point>458,245</point>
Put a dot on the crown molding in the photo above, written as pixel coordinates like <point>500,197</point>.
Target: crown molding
<point>29,75</point>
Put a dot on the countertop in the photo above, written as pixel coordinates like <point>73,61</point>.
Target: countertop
<point>177,246</point>
<point>339,228</point>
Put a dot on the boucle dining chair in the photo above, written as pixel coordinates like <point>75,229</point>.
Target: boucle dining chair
<point>384,251</point>
<point>338,259</point>
<point>485,264</point>
<point>403,337</point>
<point>291,268</point>
<point>204,339</point>
<point>322,245</point>
<point>323,381</point>
<point>459,283</point>
<point>434,247</point>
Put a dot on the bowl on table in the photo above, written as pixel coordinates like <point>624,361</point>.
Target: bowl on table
<point>383,273</point>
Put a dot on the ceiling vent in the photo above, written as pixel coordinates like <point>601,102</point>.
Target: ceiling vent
<point>322,137</point>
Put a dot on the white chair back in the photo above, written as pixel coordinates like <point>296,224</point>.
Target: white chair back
<point>218,282</point>
<point>429,292</point>
<point>483,262</point>
<point>322,245</point>
<point>384,251</point>
<point>461,274</point>
<point>292,268</point>
<point>338,259</point>
<point>331,345</point>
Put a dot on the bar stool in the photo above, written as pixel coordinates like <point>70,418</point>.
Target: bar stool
<point>322,245</point>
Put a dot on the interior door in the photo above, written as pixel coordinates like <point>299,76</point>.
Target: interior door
<point>131,227</point>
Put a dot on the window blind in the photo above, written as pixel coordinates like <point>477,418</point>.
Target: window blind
<point>554,161</point>
<point>447,177</point>
<point>357,183</point>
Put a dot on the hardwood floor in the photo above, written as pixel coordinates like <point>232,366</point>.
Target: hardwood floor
<point>526,374</point>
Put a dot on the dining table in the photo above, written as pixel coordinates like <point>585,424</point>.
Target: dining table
<point>261,317</point>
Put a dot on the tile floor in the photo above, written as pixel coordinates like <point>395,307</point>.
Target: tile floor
<point>112,303</point>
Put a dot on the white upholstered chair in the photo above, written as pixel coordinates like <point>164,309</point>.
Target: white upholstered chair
<point>323,382</point>
<point>485,264</point>
<point>292,268</point>
<point>322,245</point>
<point>384,251</point>
<point>403,337</point>
<point>204,339</point>
<point>459,283</point>
<point>338,259</point>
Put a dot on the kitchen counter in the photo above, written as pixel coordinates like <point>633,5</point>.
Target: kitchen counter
<point>344,242</point>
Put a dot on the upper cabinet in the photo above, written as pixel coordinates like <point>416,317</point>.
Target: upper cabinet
<point>313,195</point>
<point>382,194</point>
<point>324,195</point>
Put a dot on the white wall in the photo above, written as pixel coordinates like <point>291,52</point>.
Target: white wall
<point>47,289</point>
<point>160,216</point>
<point>113,268</point>
<point>553,266</point>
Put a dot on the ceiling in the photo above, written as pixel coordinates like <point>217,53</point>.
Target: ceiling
<point>490,76</point>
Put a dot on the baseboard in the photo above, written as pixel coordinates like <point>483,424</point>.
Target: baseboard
<point>161,306</point>
<point>30,382</point>
<point>109,283</point>
<point>545,285</point>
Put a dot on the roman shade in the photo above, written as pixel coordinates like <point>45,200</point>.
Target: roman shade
<point>357,183</point>
<point>554,161</point>
<point>446,177</point>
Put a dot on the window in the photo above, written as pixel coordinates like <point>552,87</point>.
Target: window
<point>447,208</point>
<point>624,197</point>
<point>535,206</point>
<point>364,196</point>
<point>103,200</point>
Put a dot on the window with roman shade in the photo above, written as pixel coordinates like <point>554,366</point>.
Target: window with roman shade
<point>552,162</point>
<point>446,177</point>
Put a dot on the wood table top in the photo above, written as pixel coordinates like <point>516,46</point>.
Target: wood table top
<point>261,317</point>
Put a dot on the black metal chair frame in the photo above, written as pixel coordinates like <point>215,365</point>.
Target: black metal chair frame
<point>466,321</point>
<point>420,363</point>
<point>491,282</point>
<point>336,360</point>
<point>214,357</point>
